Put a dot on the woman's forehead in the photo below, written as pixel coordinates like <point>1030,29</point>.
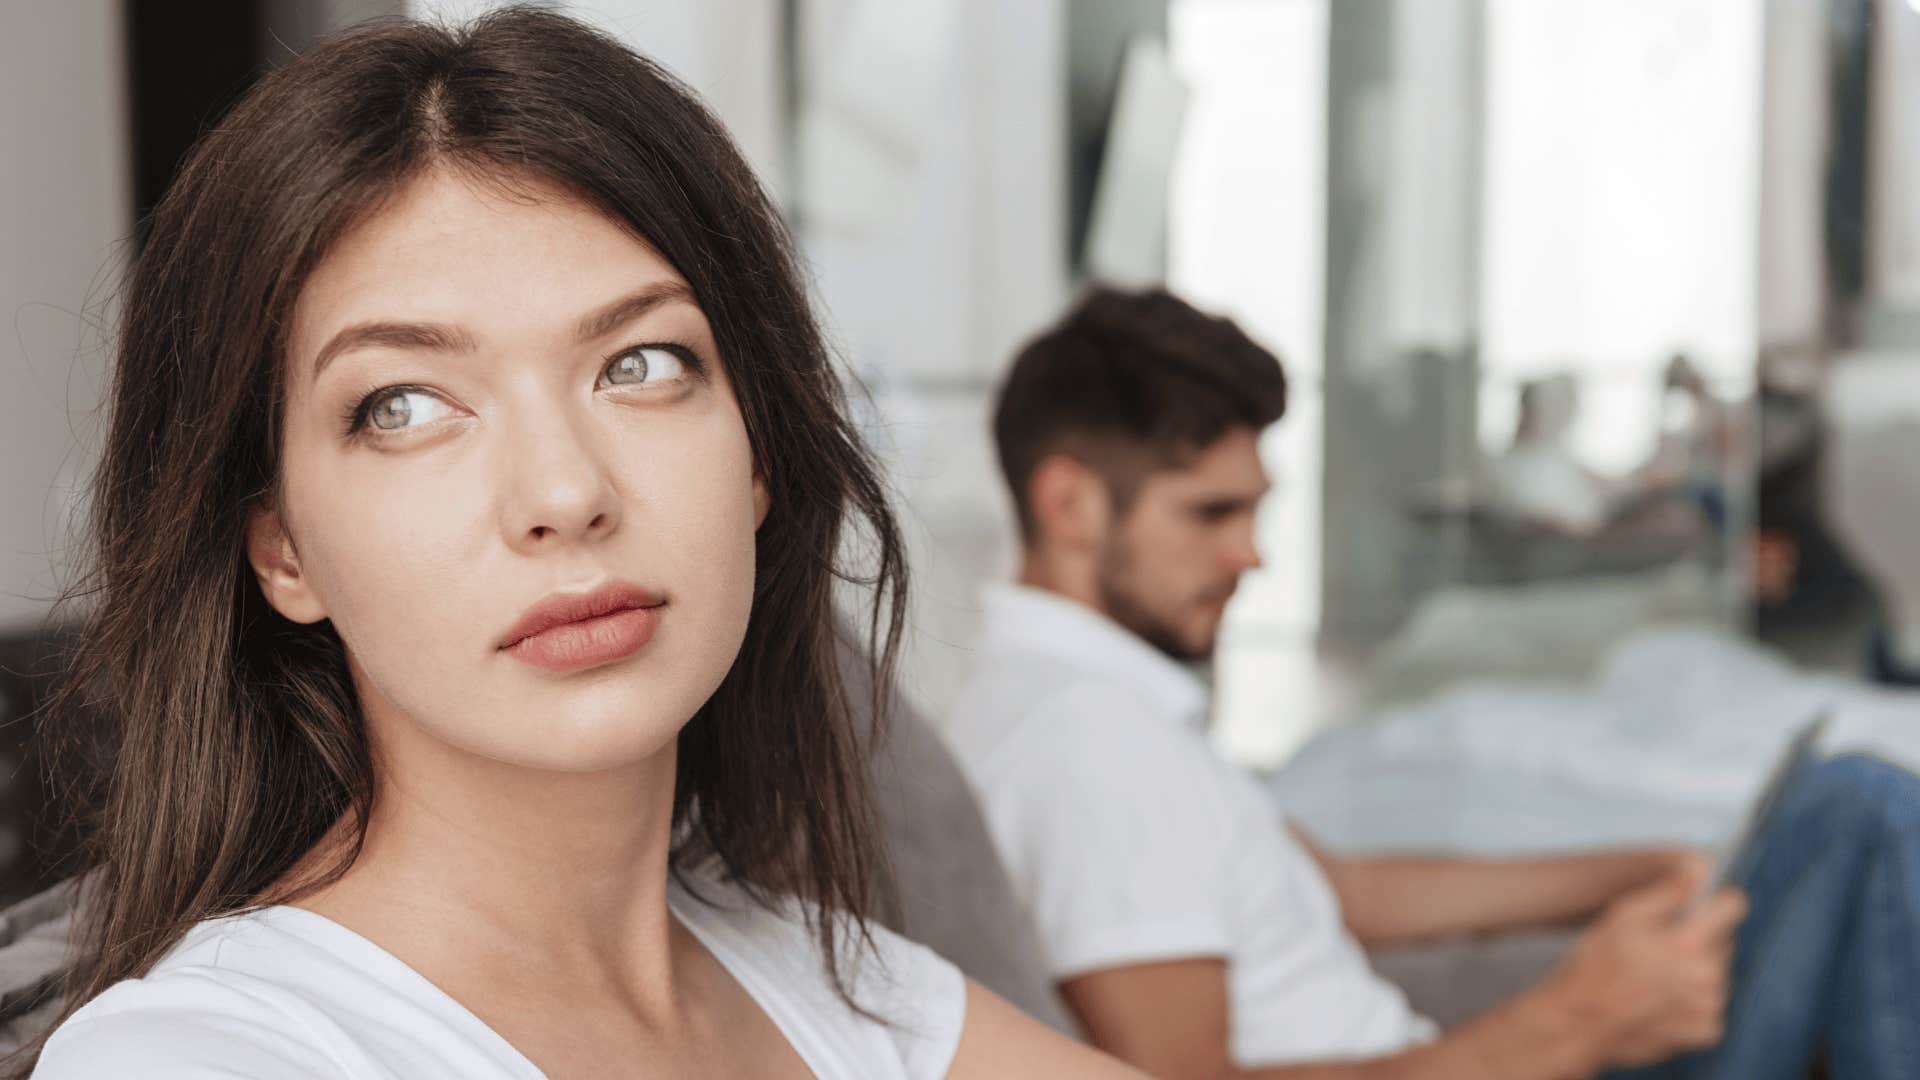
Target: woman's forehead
<point>506,260</point>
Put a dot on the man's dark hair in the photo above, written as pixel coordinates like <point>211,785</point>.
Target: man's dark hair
<point>1130,382</point>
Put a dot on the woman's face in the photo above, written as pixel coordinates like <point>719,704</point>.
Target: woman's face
<point>496,401</point>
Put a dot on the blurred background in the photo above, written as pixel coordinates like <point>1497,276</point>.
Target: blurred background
<point>1602,318</point>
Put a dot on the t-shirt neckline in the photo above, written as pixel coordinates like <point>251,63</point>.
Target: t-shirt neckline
<point>369,953</point>
<point>341,939</point>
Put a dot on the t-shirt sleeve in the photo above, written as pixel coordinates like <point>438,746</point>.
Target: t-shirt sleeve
<point>1112,822</point>
<point>135,1030</point>
<point>923,999</point>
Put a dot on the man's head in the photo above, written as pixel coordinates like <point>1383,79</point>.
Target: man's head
<point>1128,435</point>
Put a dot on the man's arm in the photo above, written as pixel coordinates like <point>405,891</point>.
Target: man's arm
<point>1397,900</point>
<point>1170,1020</point>
<point>1647,982</point>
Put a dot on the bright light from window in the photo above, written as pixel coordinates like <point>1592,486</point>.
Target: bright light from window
<point>1621,193</point>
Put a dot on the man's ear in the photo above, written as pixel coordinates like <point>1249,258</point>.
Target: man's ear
<point>276,565</point>
<point>1070,503</point>
<point>762,498</point>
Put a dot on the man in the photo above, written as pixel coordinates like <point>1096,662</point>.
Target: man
<point>1195,935</point>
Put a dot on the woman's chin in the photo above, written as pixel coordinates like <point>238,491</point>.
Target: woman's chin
<point>586,744</point>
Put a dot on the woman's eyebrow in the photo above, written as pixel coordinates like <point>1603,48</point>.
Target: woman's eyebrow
<point>439,337</point>
<point>611,317</point>
<point>435,337</point>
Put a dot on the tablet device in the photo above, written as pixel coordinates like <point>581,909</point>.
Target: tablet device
<point>1801,752</point>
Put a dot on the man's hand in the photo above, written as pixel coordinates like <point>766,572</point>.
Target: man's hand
<point>1649,978</point>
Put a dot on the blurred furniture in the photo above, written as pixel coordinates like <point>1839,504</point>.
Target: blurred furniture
<point>36,840</point>
<point>1474,545</point>
<point>950,891</point>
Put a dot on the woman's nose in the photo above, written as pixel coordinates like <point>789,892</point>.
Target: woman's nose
<point>559,487</point>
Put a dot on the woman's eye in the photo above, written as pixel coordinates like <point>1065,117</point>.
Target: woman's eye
<point>644,365</point>
<point>397,410</point>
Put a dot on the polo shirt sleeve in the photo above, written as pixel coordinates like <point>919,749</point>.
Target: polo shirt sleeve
<point>1112,822</point>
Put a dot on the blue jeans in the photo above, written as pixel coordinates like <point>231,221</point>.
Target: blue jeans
<point>1827,966</point>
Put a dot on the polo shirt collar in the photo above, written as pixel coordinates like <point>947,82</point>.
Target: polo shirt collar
<point>1025,619</point>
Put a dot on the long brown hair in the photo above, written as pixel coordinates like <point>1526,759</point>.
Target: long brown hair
<point>234,739</point>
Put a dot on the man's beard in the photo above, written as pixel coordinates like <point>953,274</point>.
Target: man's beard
<point>1123,604</point>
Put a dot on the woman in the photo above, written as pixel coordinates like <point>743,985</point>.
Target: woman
<point>474,488</point>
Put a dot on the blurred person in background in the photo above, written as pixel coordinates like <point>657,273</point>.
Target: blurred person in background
<point>461,606</point>
<point>1195,934</point>
<point>1539,478</point>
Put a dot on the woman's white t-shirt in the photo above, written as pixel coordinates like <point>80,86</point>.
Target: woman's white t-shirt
<point>285,993</point>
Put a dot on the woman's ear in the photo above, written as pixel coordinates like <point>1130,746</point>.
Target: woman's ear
<point>762,498</point>
<point>277,567</point>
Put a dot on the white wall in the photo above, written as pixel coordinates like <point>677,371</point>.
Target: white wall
<point>64,208</point>
<point>1794,136</point>
<point>932,172</point>
<point>1893,207</point>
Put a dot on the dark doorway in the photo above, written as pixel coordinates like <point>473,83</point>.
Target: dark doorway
<point>186,63</point>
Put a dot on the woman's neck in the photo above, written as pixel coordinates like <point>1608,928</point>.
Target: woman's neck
<point>477,864</point>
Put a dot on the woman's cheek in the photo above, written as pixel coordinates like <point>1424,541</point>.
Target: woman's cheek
<point>396,562</point>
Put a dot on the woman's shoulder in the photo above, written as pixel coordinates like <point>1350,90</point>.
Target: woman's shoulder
<point>191,1015</point>
<point>275,992</point>
<point>913,1000</point>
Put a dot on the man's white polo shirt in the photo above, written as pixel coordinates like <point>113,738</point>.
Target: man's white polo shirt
<point>1133,843</point>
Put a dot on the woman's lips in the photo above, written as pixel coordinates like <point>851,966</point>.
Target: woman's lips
<point>578,631</point>
<point>589,642</point>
